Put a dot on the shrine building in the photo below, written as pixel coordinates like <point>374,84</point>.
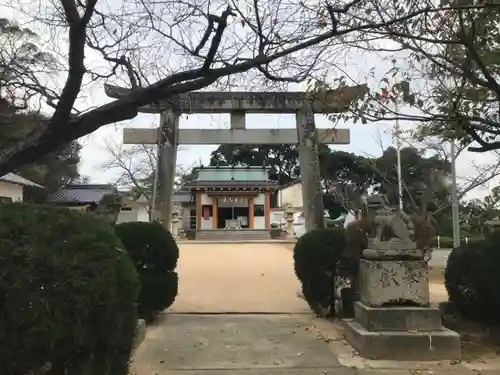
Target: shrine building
<point>223,196</point>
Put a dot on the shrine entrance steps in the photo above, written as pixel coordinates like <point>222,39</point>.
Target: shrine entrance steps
<point>236,235</point>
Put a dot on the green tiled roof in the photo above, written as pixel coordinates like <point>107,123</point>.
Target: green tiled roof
<point>233,174</point>
<point>229,184</point>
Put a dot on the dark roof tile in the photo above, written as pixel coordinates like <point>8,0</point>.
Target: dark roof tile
<point>182,197</point>
<point>81,194</point>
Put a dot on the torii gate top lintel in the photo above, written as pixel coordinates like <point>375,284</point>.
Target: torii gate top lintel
<point>328,101</point>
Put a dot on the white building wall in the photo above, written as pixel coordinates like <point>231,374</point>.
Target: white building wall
<point>278,216</point>
<point>206,200</point>
<point>126,216</point>
<point>206,224</point>
<point>291,197</point>
<point>142,213</point>
<point>13,191</point>
<point>132,212</point>
<point>259,222</point>
<point>260,199</point>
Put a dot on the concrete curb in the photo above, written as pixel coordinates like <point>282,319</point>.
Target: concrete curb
<point>194,242</point>
<point>140,334</point>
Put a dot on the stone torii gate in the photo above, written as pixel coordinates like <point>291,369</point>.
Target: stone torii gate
<point>304,105</point>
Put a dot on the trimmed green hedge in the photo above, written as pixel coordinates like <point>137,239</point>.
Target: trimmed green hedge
<point>154,253</point>
<point>68,293</point>
<point>472,279</point>
<point>316,256</point>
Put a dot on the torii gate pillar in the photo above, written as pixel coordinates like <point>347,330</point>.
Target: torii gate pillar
<point>167,160</point>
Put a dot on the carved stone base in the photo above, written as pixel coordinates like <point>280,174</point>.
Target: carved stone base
<point>403,345</point>
<point>380,254</point>
<point>394,244</point>
<point>405,319</point>
<point>401,333</point>
<point>394,283</point>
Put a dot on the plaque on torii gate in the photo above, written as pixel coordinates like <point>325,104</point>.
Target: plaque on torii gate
<point>237,104</point>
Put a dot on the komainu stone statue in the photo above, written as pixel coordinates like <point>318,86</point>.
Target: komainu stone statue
<point>393,318</point>
<point>395,222</point>
<point>393,232</point>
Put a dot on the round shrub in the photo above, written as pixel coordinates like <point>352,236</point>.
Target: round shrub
<point>472,277</point>
<point>67,293</point>
<point>330,223</point>
<point>316,255</point>
<point>154,253</point>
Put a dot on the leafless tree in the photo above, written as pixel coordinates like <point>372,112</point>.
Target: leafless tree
<point>444,72</point>
<point>163,48</point>
<point>135,166</point>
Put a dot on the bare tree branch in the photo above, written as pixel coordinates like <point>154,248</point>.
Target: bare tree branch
<point>285,43</point>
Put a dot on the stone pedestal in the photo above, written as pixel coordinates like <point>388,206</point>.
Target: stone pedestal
<point>393,319</point>
<point>393,282</point>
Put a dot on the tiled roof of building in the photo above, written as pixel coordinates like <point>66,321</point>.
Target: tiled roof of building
<point>183,196</point>
<point>229,184</point>
<point>18,180</point>
<point>291,183</point>
<point>81,194</point>
<point>230,167</point>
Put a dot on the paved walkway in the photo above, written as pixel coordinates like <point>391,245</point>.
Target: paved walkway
<point>271,330</point>
<point>233,344</point>
<point>439,258</point>
<point>264,344</point>
<point>237,278</point>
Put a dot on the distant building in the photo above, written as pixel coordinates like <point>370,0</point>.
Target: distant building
<point>289,196</point>
<point>81,196</point>
<point>12,187</point>
<point>133,209</point>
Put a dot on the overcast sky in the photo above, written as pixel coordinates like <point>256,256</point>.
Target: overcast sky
<point>365,139</point>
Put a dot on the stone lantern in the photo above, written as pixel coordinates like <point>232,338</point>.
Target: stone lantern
<point>289,222</point>
<point>175,224</point>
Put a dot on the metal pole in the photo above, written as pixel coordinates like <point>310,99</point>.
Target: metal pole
<point>454,197</point>
<point>398,155</point>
